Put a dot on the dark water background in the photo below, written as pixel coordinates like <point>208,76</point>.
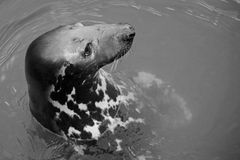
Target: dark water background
<point>192,44</point>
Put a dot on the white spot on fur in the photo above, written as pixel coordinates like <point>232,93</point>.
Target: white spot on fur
<point>63,108</point>
<point>57,115</point>
<point>62,70</point>
<point>88,113</point>
<point>69,96</point>
<point>118,141</point>
<point>72,130</point>
<point>94,130</point>
<point>82,106</point>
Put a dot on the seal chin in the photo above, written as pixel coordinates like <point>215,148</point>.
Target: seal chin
<point>126,40</point>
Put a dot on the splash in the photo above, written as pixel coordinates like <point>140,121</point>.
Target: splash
<point>164,97</point>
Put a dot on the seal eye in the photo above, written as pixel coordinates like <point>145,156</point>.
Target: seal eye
<point>88,50</point>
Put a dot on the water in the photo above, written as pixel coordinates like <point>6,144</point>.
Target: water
<point>191,45</point>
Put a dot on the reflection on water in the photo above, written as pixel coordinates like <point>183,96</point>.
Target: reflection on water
<point>192,45</point>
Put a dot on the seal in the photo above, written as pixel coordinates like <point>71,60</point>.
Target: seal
<point>69,93</point>
<point>102,115</point>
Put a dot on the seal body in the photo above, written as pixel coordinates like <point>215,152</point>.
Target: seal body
<point>69,94</point>
<point>104,116</point>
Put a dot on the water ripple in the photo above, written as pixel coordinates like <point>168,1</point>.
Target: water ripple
<point>24,20</point>
<point>14,34</point>
<point>225,14</point>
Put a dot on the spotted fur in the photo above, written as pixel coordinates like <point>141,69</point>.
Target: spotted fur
<point>86,108</point>
<point>72,96</point>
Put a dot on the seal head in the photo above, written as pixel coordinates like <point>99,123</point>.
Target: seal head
<point>68,94</point>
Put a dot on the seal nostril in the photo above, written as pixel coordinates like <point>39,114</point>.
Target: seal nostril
<point>132,35</point>
<point>128,37</point>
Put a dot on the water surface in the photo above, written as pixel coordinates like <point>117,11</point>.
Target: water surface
<point>193,45</point>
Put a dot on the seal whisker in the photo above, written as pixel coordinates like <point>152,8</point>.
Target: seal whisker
<point>112,66</point>
<point>130,52</point>
<point>116,64</point>
<point>90,65</point>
